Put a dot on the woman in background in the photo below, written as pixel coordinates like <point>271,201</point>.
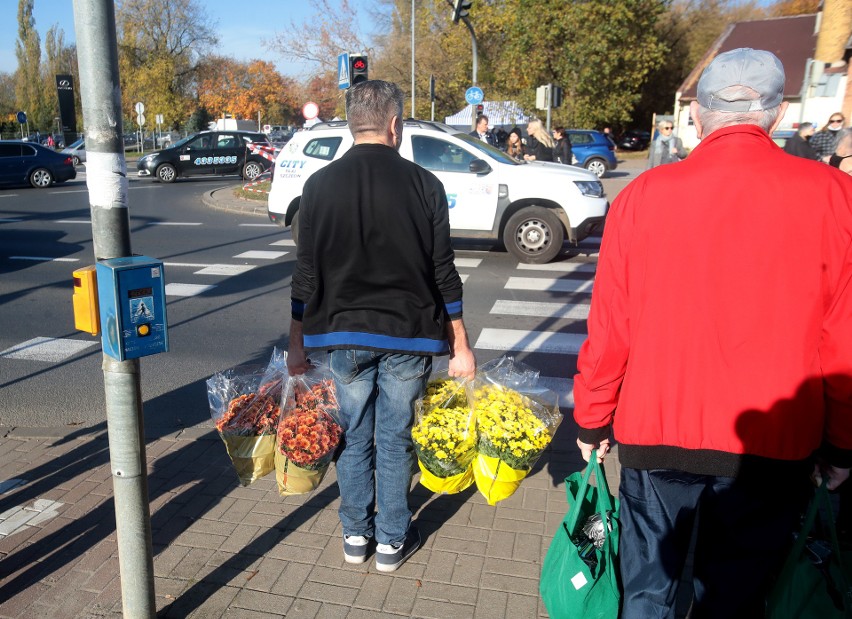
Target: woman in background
<point>515,145</point>
<point>540,144</point>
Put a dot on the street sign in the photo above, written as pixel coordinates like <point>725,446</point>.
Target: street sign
<point>310,110</point>
<point>22,117</point>
<point>474,95</point>
<point>158,119</point>
<point>139,107</point>
<point>343,77</point>
<point>140,119</point>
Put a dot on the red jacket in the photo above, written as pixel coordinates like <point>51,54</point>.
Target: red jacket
<point>721,318</point>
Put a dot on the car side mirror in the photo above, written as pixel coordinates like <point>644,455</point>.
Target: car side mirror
<point>479,166</point>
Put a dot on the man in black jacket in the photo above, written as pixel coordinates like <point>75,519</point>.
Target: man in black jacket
<point>799,145</point>
<point>481,132</point>
<point>375,284</point>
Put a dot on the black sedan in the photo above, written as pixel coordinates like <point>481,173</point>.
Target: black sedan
<point>23,162</point>
<point>634,140</point>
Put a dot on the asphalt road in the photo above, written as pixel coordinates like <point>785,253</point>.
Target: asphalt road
<point>228,279</point>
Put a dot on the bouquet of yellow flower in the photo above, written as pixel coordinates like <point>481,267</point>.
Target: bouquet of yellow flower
<point>244,404</point>
<point>515,422</point>
<point>444,435</point>
<point>309,432</point>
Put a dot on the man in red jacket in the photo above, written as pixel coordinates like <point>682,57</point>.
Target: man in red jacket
<point>720,349</point>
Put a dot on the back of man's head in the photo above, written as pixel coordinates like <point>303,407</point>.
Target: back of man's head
<point>741,87</point>
<point>806,128</point>
<point>371,105</point>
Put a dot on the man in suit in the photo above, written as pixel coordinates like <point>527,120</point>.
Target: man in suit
<point>482,131</point>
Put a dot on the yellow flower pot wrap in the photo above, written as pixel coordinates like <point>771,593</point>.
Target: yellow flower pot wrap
<point>293,479</point>
<point>495,479</point>
<point>253,456</point>
<point>446,485</point>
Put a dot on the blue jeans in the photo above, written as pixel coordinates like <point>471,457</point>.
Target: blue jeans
<point>377,392</point>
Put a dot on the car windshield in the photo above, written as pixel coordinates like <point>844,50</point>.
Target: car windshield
<point>180,143</point>
<point>77,144</point>
<point>494,153</point>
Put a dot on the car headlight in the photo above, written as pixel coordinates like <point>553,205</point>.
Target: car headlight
<point>146,158</point>
<point>592,189</point>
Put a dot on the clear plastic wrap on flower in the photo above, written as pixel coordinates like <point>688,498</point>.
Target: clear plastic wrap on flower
<point>244,405</point>
<point>309,432</point>
<point>515,422</point>
<point>444,436</point>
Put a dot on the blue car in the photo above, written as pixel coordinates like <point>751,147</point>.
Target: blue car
<point>23,162</point>
<point>592,150</point>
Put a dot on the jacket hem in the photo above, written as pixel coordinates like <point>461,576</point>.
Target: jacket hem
<point>705,461</point>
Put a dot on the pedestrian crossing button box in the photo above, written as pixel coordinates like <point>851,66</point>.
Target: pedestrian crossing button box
<point>132,294</point>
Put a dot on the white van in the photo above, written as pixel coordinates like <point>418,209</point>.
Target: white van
<point>531,206</point>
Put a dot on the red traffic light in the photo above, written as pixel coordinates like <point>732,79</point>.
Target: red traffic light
<point>359,64</point>
<point>479,109</point>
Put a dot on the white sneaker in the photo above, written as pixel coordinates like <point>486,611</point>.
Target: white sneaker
<point>355,548</point>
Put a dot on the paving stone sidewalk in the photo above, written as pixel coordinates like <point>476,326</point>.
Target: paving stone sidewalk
<point>222,550</point>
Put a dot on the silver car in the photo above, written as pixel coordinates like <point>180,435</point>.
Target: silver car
<point>77,151</point>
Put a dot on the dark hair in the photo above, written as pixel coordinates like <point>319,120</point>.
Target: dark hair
<point>481,117</point>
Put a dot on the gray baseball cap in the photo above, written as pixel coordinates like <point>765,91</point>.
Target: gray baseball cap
<point>755,68</point>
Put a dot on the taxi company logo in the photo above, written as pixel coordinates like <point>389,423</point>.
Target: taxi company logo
<point>294,163</point>
<point>214,160</point>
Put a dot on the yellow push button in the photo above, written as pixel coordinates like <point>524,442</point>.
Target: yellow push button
<point>143,330</point>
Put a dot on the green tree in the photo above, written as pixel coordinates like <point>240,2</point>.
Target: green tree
<point>160,43</point>
<point>59,58</point>
<point>28,80</point>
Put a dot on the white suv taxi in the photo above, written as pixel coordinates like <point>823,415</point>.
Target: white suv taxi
<point>533,207</point>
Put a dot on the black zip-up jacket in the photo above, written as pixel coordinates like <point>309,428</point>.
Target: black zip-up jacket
<point>375,266</point>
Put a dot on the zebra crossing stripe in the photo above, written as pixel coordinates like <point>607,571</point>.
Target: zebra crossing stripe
<point>573,311</point>
<point>563,387</point>
<point>530,341</point>
<point>468,262</point>
<point>44,259</point>
<point>549,284</point>
<point>563,267</point>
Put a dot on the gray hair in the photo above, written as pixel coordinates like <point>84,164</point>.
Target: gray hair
<point>370,106</point>
<point>805,126</point>
<point>844,143</point>
<point>713,120</point>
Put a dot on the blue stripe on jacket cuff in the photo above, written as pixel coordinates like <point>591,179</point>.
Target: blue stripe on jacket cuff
<point>454,308</point>
<point>372,340</point>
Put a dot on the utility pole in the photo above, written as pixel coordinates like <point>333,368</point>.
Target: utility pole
<point>106,179</point>
<point>413,115</point>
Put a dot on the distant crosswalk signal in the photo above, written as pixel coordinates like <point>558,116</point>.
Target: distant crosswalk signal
<point>460,9</point>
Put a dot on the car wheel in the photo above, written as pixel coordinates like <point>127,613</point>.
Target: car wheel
<point>252,170</point>
<point>294,228</point>
<point>534,235</point>
<point>75,160</point>
<point>41,178</point>
<point>166,173</point>
<point>596,166</point>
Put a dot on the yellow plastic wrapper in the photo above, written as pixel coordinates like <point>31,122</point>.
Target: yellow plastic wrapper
<point>309,431</point>
<point>245,407</point>
<point>515,422</point>
<point>444,435</point>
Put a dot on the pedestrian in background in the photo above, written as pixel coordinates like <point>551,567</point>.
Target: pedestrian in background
<point>539,143</point>
<point>842,157</point>
<point>562,148</point>
<point>376,285</point>
<point>824,141</point>
<point>666,147</point>
<point>798,144</point>
<point>481,132</point>
<point>515,144</point>
<point>719,378</point>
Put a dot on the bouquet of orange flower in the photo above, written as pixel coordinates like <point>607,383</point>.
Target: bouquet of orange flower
<point>245,407</point>
<point>444,435</point>
<point>515,421</point>
<point>309,432</point>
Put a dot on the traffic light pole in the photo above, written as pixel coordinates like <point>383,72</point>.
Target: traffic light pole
<point>467,23</point>
<point>106,180</point>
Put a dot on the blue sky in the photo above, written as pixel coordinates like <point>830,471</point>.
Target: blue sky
<point>240,26</point>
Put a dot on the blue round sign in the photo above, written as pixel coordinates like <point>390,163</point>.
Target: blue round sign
<point>474,95</point>
<point>22,117</point>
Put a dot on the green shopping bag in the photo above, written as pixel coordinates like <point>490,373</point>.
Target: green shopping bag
<point>570,586</point>
<point>814,582</point>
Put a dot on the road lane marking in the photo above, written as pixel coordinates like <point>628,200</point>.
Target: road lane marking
<point>573,311</point>
<point>530,341</point>
<point>464,277</point>
<point>285,243</point>
<point>261,254</point>
<point>549,284</point>
<point>186,290</point>
<point>47,349</point>
<point>563,267</point>
<point>269,225</point>
<point>563,387</point>
<point>44,259</point>
<point>73,221</point>
<point>174,223</point>
<point>226,269</point>
<point>468,262</point>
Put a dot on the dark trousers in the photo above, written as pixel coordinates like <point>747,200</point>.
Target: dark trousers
<point>744,532</point>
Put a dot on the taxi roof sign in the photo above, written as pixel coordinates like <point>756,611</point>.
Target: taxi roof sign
<point>343,77</point>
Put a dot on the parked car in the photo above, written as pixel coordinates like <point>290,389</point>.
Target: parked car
<point>209,152</point>
<point>24,162</point>
<point>531,206</point>
<point>592,150</point>
<point>77,151</point>
<point>635,139</point>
